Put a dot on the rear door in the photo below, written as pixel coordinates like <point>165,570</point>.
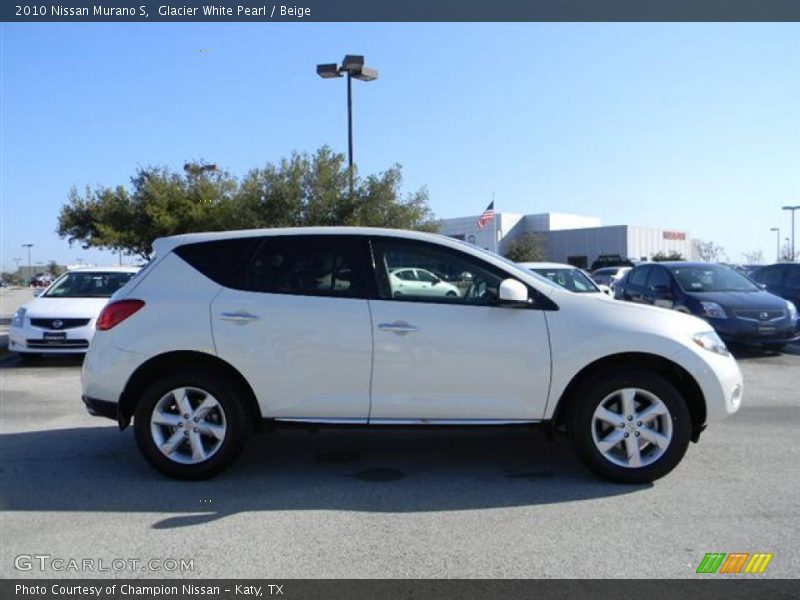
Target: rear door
<point>453,358</point>
<point>296,324</point>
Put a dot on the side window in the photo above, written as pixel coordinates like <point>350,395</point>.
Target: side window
<point>406,275</point>
<point>222,261</point>
<point>469,280</point>
<point>659,278</point>
<point>638,276</point>
<point>770,276</point>
<point>310,266</point>
<point>792,279</point>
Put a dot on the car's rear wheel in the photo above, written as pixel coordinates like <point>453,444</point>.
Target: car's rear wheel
<point>630,427</point>
<point>190,424</point>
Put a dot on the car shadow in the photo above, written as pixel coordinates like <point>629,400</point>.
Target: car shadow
<point>97,469</point>
<point>742,352</point>
<point>13,361</point>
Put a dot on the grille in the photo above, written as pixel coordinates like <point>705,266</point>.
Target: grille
<point>65,323</point>
<point>57,343</point>
<point>762,316</point>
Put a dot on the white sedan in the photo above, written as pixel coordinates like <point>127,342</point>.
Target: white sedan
<point>61,320</point>
<point>408,281</point>
<point>567,276</point>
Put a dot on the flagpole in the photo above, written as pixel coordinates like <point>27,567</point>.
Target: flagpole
<point>494,221</point>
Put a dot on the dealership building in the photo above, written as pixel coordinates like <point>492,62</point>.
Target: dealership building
<point>568,238</point>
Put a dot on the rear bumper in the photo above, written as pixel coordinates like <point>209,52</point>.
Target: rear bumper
<point>100,408</point>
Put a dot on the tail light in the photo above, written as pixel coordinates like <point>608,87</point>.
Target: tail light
<point>115,313</point>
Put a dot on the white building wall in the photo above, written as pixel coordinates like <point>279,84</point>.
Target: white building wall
<point>644,242</point>
<point>588,242</point>
<point>559,221</point>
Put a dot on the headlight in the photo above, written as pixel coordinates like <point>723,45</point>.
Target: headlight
<point>711,342</point>
<point>713,310</point>
<point>19,317</point>
<point>792,311</point>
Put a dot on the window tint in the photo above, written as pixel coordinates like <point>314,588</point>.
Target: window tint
<point>406,275</point>
<point>451,276</point>
<point>770,276</point>
<point>222,261</point>
<point>310,265</point>
<point>792,279</point>
<point>712,278</point>
<point>639,276</point>
<point>659,278</point>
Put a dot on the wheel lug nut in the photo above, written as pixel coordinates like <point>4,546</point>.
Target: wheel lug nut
<point>196,420</point>
<point>186,433</point>
<point>186,416</point>
<point>638,423</point>
<point>636,434</point>
<point>622,424</point>
<point>630,417</point>
<point>196,430</point>
<point>180,424</point>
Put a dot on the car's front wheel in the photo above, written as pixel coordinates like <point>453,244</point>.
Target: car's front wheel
<point>630,427</point>
<point>190,424</point>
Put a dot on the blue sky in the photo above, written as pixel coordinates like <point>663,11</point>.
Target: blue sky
<point>684,126</point>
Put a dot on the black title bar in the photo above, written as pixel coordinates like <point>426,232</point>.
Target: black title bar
<point>398,10</point>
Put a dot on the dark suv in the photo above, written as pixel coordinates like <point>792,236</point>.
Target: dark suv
<point>738,309</point>
<point>782,279</point>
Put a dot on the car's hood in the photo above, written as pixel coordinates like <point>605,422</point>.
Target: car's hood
<point>760,300</point>
<point>82,308</point>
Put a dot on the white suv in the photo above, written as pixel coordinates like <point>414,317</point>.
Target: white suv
<point>223,330</point>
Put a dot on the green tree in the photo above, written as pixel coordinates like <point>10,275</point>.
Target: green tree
<point>53,269</point>
<point>672,255</point>
<point>528,247</point>
<point>301,190</point>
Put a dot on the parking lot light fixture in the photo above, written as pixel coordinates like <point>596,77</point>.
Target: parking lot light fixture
<point>777,231</point>
<point>792,208</point>
<point>353,65</point>
<point>30,271</point>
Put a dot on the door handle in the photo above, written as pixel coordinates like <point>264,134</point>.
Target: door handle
<point>240,317</point>
<point>399,327</point>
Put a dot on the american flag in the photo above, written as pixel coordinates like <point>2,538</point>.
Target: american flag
<point>487,216</point>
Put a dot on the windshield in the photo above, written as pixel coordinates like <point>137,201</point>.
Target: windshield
<point>712,278</point>
<point>572,279</point>
<point>88,284</point>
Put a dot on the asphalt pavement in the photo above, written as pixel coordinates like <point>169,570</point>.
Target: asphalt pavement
<point>418,504</point>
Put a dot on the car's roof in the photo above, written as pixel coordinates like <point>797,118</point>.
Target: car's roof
<point>686,263</point>
<point>547,265</point>
<point>105,270</point>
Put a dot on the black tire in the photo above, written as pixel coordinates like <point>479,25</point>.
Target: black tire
<point>582,426</point>
<point>230,404</point>
<point>451,294</point>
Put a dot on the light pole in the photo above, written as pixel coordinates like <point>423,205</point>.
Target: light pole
<point>777,231</point>
<point>792,208</point>
<point>29,246</point>
<point>353,65</point>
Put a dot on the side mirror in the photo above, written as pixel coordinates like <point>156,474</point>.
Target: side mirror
<point>513,292</point>
<point>435,281</point>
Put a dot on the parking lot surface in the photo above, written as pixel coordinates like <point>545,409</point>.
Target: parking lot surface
<point>401,503</point>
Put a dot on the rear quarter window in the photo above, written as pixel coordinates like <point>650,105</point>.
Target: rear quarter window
<point>223,261</point>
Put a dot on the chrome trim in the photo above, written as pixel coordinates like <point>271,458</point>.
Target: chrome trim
<point>349,421</point>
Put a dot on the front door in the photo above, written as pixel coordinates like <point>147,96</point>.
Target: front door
<point>453,357</point>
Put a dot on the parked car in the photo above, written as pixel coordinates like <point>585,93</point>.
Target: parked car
<point>609,275</point>
<point>61,320</point>
<point>737,308</point>
<point>610,260</point>
<point>567,276</point>
<point>409,281</point>
<point>781,279</point>
<point>224,330</point>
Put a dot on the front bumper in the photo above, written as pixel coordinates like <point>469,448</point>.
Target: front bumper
<point>29,338</point>
<point>100,408</point>
<point>741,331</point>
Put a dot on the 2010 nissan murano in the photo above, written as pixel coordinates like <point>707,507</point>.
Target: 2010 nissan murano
<point>223,330</point>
